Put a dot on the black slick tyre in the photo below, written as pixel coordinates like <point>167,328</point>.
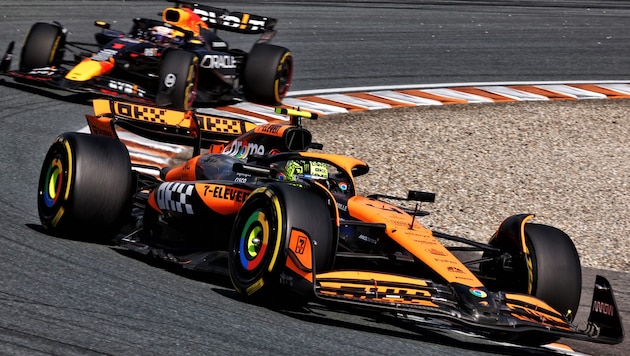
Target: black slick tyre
<point>42,47</point>
<point>556,269</point>
<point>257,246</point>
<point>178,80</point>
<point>267,75</point>
<point>84,186</point>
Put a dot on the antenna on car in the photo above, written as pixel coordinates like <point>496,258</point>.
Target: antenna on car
<point>296,115</point>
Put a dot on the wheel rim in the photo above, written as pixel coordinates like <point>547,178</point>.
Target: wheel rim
<point>254,241</point>
<point>53,183</point>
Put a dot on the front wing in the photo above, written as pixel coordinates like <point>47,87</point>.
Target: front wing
<point>418,301</point>
<point>426,304</point>
<point>103,85</point>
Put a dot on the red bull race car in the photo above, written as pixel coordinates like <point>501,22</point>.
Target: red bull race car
<point>177,61</point>
<point>263,204</point>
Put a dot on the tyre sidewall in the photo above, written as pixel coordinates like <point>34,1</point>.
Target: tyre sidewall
<point>254,274</point>
<point>288,208</point>
<point>41,46</point>
<point>556,275</point>
<point>268,73</point>
<point>178,79</point>
<point>85,185</point>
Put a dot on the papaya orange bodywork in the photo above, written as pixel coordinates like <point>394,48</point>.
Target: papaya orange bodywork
<point>223,199</point>
<point>414,237</point>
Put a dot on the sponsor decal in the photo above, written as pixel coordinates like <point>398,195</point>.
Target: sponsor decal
<point>478,292</point>
<point>138,112</point>
<point>603,308</point>
<point>300,245</point>
<point>126,88</point>
<point>230,20</point>
<point>242,177</point>
<point>104,55</point>
<point>281,176</point>
<point>242,149</point>
<point>170,80</point>
<point>269,128</point>
<point>398,222</point>
<point>454,269</point>
<point>342,207</point>
<point>175,196</point>
<point>151,52</point>
<point>228,193</point>
<point>218,61</point>
<point>445,260</point>
<point>220,124</point>
<point>47,71</point>
<point>436,252</point>
<point>367,239</point>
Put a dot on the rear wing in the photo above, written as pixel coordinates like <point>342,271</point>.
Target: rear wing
<point>233,21</point>
<point>170,126</point>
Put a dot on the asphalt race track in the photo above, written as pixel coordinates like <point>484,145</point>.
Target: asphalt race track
<point>68,297</point>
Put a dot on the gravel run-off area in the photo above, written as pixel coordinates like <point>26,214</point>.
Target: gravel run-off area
<point>567,162</point>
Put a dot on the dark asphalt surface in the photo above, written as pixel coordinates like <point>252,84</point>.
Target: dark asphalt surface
<point>67,297</point>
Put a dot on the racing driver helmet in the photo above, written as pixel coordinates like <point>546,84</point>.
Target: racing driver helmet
<point>163,34</point>
<point>295,169</point>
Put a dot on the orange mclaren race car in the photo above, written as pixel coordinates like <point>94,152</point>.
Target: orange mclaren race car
<point>282,219</point>
<point>176,61</point>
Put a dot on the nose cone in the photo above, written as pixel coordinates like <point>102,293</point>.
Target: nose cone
<point>89,69</point>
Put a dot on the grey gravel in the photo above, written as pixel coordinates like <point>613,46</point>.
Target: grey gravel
<point>565,161</point>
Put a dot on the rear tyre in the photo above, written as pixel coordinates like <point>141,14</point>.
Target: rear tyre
<point>257,246</point>
<point>42,47</point>
<point>178,80</point>
<point>84,186</point>
<point>267,75</point>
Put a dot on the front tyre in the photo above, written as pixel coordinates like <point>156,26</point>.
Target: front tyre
<point>84,186</point>
<point>547,267</point>
<point>178,80</point>
<point>258,244</point>
<point>43,47</point>
<point>556,269</point>
<point>267,75</point>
